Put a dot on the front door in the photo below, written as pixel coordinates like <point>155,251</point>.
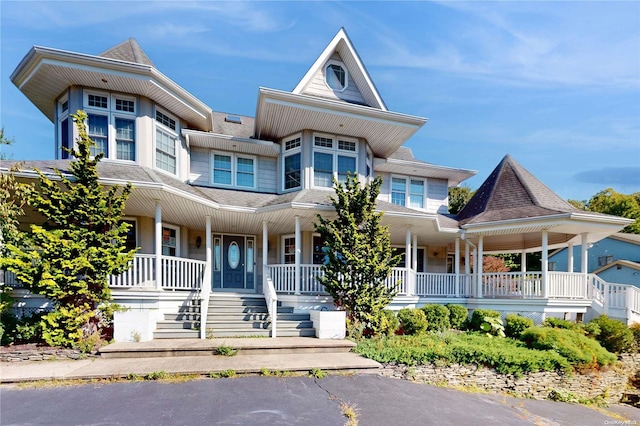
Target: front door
<point>233,262</point>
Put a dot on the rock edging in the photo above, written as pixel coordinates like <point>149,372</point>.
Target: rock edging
<point>606,385</point>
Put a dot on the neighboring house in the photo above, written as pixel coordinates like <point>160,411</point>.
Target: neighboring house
<point>615,259</point>
<point>224,205</point>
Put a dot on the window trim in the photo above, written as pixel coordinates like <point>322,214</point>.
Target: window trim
<point>177,229</point>
<point>234,169</point>
<point>335,152</point>
<point>312,251</point>
<point>407,191</point>
<point>288,153</point>
<point>170,132</point>
<point>346,75</point>
<point>62,115</point>
<point>283,248</point>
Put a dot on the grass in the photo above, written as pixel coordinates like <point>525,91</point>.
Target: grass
<point>226,351</point>
<point>351,412</point>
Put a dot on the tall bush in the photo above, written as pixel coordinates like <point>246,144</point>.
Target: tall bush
<point>516,324</point>
<point>478,318</point>
<point>358,256</point>
<point>70,257</point>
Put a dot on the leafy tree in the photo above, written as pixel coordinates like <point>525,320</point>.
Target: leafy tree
<point>611,202</point>
<point>578,204</point>
<point>70,257</point>
<point>358,256</point>
<point>494,264</point>
<point>458,197</point>
<point>4,140</point>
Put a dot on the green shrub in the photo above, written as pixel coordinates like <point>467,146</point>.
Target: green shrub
<point>554,322</point>
<point>389,323</point>
<point>614,335</point>
<point>412,321</point>
<point>493,327</point>
<point>478,317</point>
<point>458,316</point>
<point>437,317</point>
<point>635,329</point>
<point>578,349</point>
<point>516,324</point>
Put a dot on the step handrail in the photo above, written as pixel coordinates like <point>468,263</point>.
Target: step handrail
<point>271,299</point>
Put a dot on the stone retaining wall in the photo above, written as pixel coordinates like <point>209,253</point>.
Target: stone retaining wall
<point>609,384</point>
<point>41,354</point>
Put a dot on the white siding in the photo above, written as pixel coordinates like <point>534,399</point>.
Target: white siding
<point>267,174</point>
<point>317,87</point>
<point>200,174</point>
<point>437,196</point>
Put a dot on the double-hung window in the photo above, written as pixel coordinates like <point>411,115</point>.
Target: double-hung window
<point>408,191</point>
<point>398,191</point>
<point>170,239</point>
<point>230,169</point>
<point>111,124</point>
<point>333,157</point>
<point>64,134</point>
<point>166,141</point>
<point>289,249</point>
<point>292,164</point>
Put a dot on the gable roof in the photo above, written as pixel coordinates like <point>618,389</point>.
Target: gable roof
<point>341,44</point>
<point>511,192</point>
<point>627,238</point>
<point>619,264</point>
<point>130,51</point>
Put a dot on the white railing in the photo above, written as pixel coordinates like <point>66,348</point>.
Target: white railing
<point>596,289</point>
<point>271,299</point>
<point>308,279</point>
<point>9,279</point>
<point>142,273</point>
<point>177,273</point>
<point>431,284</point>
<point>398,281</point>
<point>566,285</point>
<point>511,284</point>
<point>283,277</point>
<point>182,274</point>
<point>633,299</point>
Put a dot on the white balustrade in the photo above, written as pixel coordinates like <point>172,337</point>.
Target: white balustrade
<point>177,273</point>
<point>566,285</point>
<point>141,273</point>
<point>512,284</point>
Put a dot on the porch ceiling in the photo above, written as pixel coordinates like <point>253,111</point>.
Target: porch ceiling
<point>280,114</point>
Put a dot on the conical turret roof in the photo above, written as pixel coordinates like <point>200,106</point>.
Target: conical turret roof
<point>130,51</point>
<point>511,192</point>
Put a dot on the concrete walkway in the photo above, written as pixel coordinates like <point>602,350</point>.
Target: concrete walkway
<point>194,356</point>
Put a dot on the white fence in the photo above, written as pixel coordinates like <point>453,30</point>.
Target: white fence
<point>177,273</point>
<point>442,285</point>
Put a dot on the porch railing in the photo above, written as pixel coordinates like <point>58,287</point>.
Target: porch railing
<point>271,299</point>
<point>177,273</point>
<point>512,284</point>
<point>429,284</point>
<point>566,285</point>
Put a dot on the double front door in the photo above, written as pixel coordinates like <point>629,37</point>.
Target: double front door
<point>233,262</point>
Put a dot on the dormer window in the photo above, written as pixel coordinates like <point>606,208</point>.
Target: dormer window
<point>335,76</point>
<point>233,119</point>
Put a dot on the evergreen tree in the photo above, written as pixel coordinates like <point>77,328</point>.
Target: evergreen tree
<point>358,256</point>
<point>70,257</point>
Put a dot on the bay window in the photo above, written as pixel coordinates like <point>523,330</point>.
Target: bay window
<point>333,158</point>
<point>398,191</point>
<point>408,191</point>
<point>110,124</point>
<point>166,151</point>
<point>292,164</point>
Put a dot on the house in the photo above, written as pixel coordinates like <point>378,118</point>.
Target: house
<point>615,258</point>
<point>224,205</point>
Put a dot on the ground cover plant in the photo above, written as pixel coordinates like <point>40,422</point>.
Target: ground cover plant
<point>507,356</point>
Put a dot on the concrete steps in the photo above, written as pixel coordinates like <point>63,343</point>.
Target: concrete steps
<point>231,315</point>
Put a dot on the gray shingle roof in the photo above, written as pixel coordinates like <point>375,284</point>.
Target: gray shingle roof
<point>223,127</point>
<point>511,192</point>
<point>130,51</point>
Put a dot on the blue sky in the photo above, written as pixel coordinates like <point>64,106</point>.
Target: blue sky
<point>554,84</point>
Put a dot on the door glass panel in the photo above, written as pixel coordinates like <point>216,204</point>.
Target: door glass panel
<point>249,255</point>
<point>216,254</point>
<point>234,255</point>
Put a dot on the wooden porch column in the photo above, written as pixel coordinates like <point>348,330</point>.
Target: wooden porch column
<point>265,247</point>
<point>158,245</point>
<point>479,266</point>
<point>414,266</point>
<point>206,282</point>
<point>523,262</point>
<point>298,256</point>
<point>584,265</point>
<point>467,258</point>
<point>407,261</point>
<point>570,257</point>
<point>457,266</point>
<point>545,264</point>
